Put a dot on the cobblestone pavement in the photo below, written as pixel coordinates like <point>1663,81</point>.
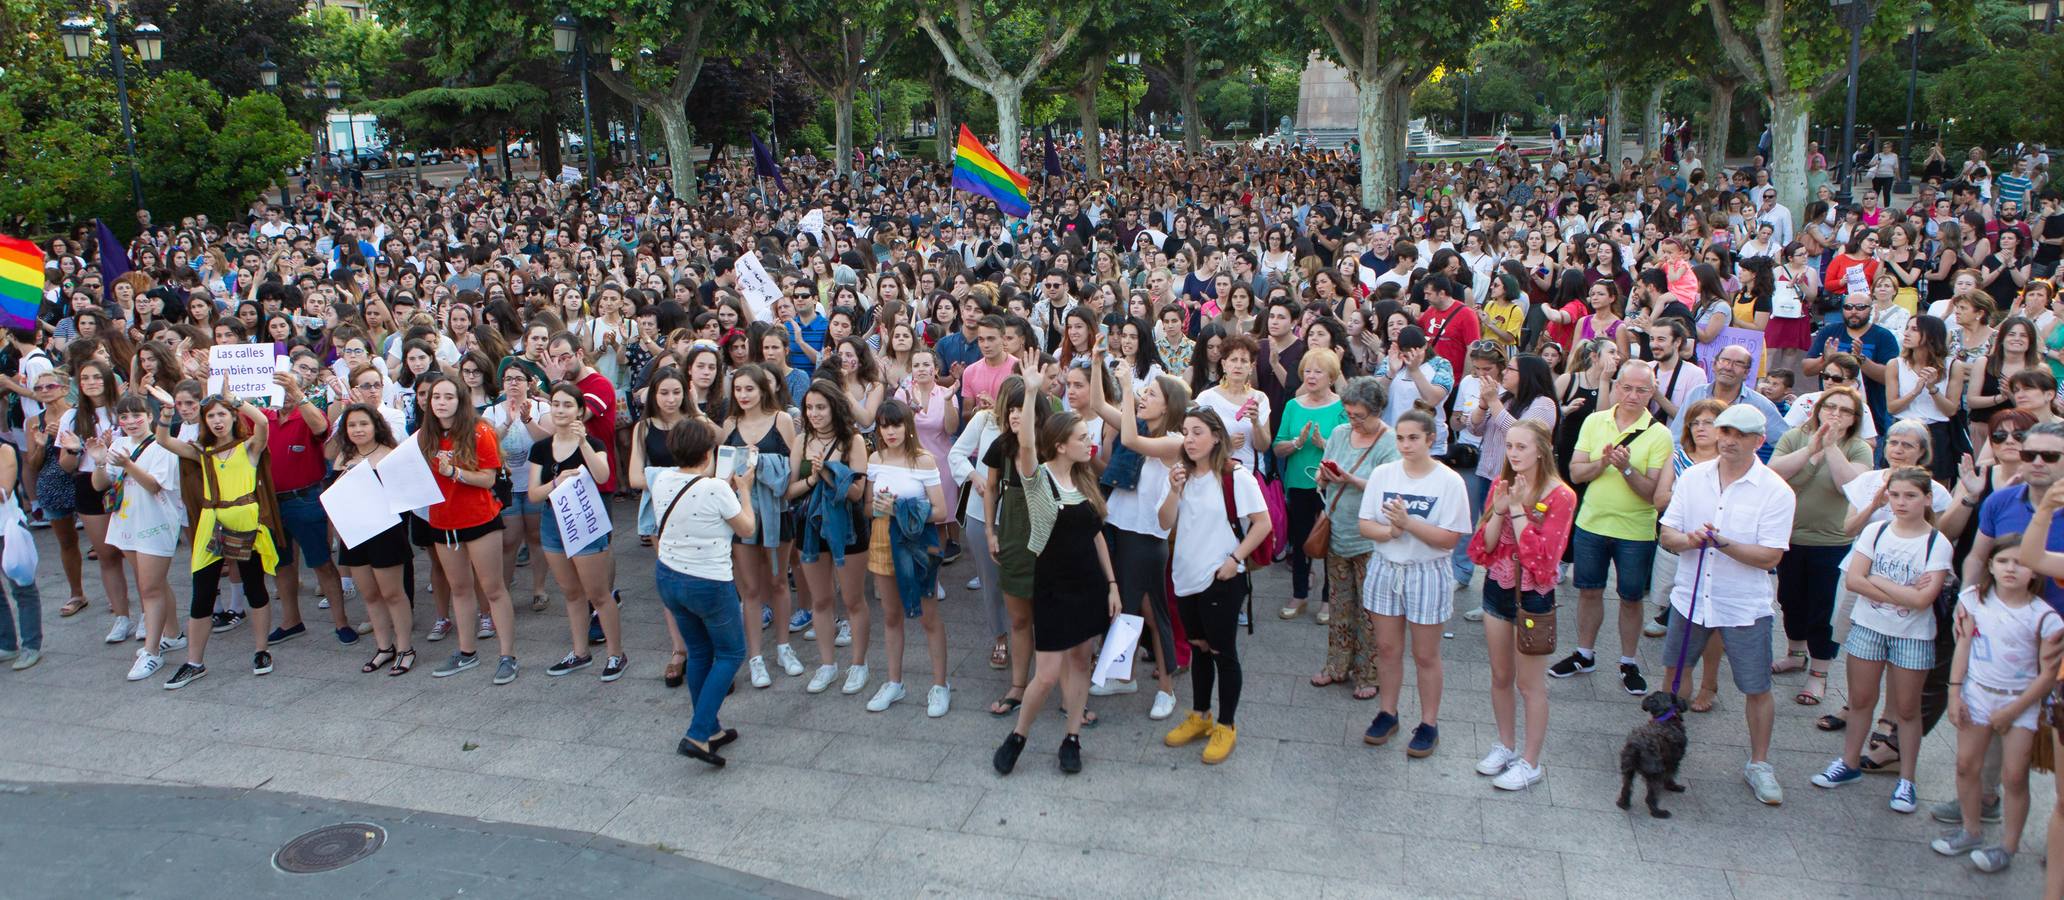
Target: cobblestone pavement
<point>823,795</point>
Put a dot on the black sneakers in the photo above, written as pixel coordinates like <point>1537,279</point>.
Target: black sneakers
<point>188,673</point>
<point>261,663</point>
<point>614,669</point>
<point>1630,678</point>
<point>1006,757</point>
<point>225,621</point>
<point>1573,664</point>
<point>1071,754</point>
<point>569,665</point>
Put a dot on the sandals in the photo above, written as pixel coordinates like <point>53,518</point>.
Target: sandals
<point>72,607</point>
<point>1705,699</point>
<point>381,658</point>
<point>1292,611</point>
<point>676,670</point>
<point>1881,742</point>
<point>644,540</point>
<point>1807,696</point>
<point>999,656</point>
<point>538,603</point>
<point>1008,704</point>
<point>403,663</point>
<point>1325,679</point>
<point>1365,692</point>
<point>1325,616</point>
<point>1835,721</point>
<point>1793,662</point>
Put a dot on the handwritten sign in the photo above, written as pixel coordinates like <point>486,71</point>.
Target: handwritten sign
<point>246,370</point>
<point>759,288</point>
<point>1731,336</point>
<point>578,506</point>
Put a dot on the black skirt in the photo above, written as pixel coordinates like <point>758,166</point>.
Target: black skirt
<point>385,550</point>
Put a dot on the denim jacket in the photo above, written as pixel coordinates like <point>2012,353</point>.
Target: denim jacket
<point>1123,469</point>
<point>912,540</point>
<point>769,483</point>
<point>827,514</point>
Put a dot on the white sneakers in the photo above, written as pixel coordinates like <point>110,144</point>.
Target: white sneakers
<point>1517,777</point>
<point>856,679</point>
<point>122,630</point>
<point>1164,706</point>
<point>1495,761</point>
<point>147,663</point>
<point>1113,686</point>
<point>758,667</point>
<point>938,700</point>
<point>822,680</point>
<point>789,663</point>
<point>845,636</point>
<point>1762,778</point>
<point>175,642</point>
<point>886,697</point>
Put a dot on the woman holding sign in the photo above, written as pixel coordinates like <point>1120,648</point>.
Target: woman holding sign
<point>362,437</point>
<point>583,572</point>
<point>238,518</point>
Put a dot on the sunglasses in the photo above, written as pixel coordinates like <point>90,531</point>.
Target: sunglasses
<point>2047,457</point>
<point>1856,308</point>
<point>2004,435</point>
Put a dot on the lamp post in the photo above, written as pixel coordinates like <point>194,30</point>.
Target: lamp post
<point>568,40</point>
<point>2044,11</point>
<point>1126,62</point>
<point>1466,85</point>
<point>1855,14</point>
<point>333,90</point>
<point>268,78</point>
<point>1913,80</point>
<point>76,31</point>
<point>309,91</point>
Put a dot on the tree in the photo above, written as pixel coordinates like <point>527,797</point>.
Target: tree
<point>833,45</point>
<point>59,137</point>
<point>473,116</point>
<point>202,154</point>
<point>1388,47</point>
<point>224,41</point>
<point>2003,98</point>
<point>981,39</point>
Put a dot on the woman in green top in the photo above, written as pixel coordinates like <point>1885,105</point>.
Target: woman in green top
<point>1354,450</point>
<point>1816,459</point>
<point>1308,419</point>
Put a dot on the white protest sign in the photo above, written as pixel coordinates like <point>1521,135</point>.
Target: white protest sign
<point>246,370</point>
<point>1115,660</point>
<point>759,288</point>
<point>812,224</point>
<point>405,478</point>
<point>357,506</point>
<point>578,506</point>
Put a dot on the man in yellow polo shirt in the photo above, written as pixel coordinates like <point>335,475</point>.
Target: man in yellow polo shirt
<point>1620,453</point>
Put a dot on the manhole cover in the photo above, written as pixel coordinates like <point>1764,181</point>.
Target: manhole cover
<point>329,847</point>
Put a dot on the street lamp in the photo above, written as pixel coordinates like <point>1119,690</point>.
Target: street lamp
<point>567,40</point>
<point>76,32</point>
<point>1913,80</point>
<point>1855,14</point>
<point>2044,11</point>
<point>268,72</point>
<point>1126,62</point>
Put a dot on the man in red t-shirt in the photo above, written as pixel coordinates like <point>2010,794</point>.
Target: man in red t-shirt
<point>1452,320</point>
<point>294,444</point>
<point>564,363</point>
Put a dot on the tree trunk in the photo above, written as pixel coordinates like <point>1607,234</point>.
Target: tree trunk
<point>680,145</point>
<point>1397,129</point>
<point>1373,112</point>
<point>1005,95</point>
<point>1719,123</point>
<point>1193,119</point>
<point>1092,130</point>
<point>1652,122</point>
<point>1615,123</point>
<point>842,130</point>
<point>546,149</point>
<point>1790,114</point>
<point>942,112</point>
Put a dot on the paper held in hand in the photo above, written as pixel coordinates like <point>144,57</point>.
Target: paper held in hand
<point>578,507</point>
<point>357,506</point>
<point>406,479</point>
<point>1115,660</point>
<point>246,370</point>
<point>759,289</point>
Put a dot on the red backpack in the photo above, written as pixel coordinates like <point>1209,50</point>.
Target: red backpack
<point>1265,552</point>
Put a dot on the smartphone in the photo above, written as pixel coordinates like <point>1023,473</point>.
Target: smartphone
<point>1333,468</point>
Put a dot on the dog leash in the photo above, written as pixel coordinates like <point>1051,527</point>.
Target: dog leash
<point>1683,646</point>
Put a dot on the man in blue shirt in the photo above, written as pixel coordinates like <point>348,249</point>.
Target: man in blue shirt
<point>2010,509</point>
<point>807,331</point>
<point>1872,345</point>
<point>958,350</point>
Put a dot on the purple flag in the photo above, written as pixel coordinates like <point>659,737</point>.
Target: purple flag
<point>763,164</point>
<point>1053,157</point>
<point>114,261</point>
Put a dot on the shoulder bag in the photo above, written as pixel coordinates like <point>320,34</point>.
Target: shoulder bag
<point>1319,542</point>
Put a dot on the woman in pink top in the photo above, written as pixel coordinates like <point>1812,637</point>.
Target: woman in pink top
<point>1519,541</point>
<point>938,420</point>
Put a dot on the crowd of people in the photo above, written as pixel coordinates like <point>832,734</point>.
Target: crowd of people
<point>1573,374</point>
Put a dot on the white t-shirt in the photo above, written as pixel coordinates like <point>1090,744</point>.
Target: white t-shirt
<point>1925,407</point>
<point>1862,489</point>
<point>1138,510</point>
<point>903,482</point>
<point>1466,395</point>
<point>1903,561</point>
<point>1236,426</point>
<point>697,537</point>
<point>104,421</point>
<point>147,523</point>
<point>2006,642</point>
<point>1439,497</point>
<point>1207,538</point>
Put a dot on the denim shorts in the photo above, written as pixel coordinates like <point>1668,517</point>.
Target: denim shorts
<point>1591,553</point>
<point>305,522</point>
<point>548,534</point>
<point>1907,653</point>
<point>1499,601</point>
<point>520,504</point>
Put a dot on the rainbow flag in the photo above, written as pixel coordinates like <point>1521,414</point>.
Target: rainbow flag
<point>978,171</point>
<point>21,282</point>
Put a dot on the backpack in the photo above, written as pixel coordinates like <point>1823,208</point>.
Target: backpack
<point>1946,598</point>
<point>1265,552</point>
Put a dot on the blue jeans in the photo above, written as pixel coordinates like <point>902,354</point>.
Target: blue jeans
<point>309,526</point>
<point>28,606</point>
<point>1479,491</point>
<point>708,615</point>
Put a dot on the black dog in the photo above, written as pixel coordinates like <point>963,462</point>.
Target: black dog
<point>1654,749</point>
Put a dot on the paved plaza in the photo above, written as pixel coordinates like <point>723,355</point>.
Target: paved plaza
<point>823,796</point>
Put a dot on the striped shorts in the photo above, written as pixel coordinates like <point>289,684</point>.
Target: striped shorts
<point>1422,592</point>
<point>1906,653</point>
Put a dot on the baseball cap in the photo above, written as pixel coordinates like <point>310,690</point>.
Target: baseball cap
<point>1742,418</point>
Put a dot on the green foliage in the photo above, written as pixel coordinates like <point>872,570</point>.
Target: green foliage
<point>202,155</point>
<point>2001,98</point>
<point>458,116</point>
<point>1229,100</point>
<point>257,141</point>
<point>811,135</point>
<point>52,171</point>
